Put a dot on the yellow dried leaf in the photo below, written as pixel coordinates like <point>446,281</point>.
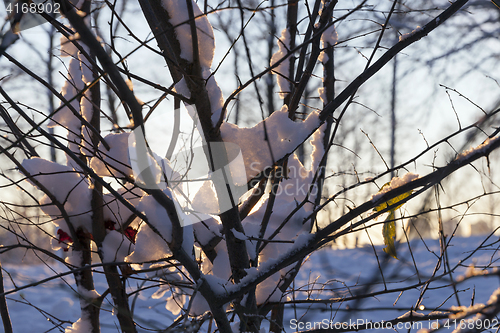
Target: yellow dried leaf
<point>389,233</point>
<point>392,201</point>
<point>389,228</point>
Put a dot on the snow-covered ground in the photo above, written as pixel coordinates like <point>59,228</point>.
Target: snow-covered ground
<point>54,305</point>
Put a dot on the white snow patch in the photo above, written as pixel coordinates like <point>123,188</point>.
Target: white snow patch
<point>409,34</point>
<point>217,284</point>
<point>74,258</point>
<point>411,314</point>
<point>68,48</point>
<point>78,78</point>
<point>318,149</point>
<point>291,191</point>
<point>329,36</point>
<point>282,70</point>
<point>239,235</point>
<point>283,135</point>
<point>82,325</point>
<point>85,68</point>
<point>86,146</point>
<point>157,215</point>
<point>149,245</point>
<point>182,88</point>
<point>479,149</point>
<point>204,235</point>
<point>214,95</point>
<point>221,267</point>
<point>67,186</point>
<point>322,95</point>
<point>116,161</point>
<point>205,201</point>
<point>116,211</point>
<point>323,57</point>
<point>116,247</point>
<point>199,305</point>
<point>87,296</point>
<point>302,240</point>
<point>64,116</point>
<point>179,18</point>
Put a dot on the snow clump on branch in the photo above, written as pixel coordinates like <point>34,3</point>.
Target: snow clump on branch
<point>179,17</point>
<point>263,145</point>
<point>283,69</point>
<point>395,183</point>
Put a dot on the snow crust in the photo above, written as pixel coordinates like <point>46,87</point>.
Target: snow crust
<point>71,187</point>
<point>64,116</point>
<point>86,296</point>
<point>148,246</point>
<point>292,190</point>
<point>302,240</point>
<point>318,150</point>
<point>323,57</point>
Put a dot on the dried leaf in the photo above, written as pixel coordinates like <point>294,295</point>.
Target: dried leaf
<point>393,200</point>
<point>389,228</point>
<point>389,233</point>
